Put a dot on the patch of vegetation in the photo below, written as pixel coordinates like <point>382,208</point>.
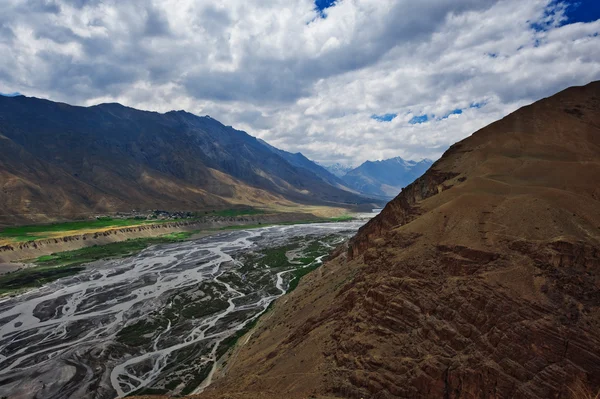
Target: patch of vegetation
<point>196,310</point>
<point>112,250</point>
<point>173,384</point>
<point>189,307</point>
<point>148,391</point>
<point>317,248</point>
<point>298,274</point>
<point>36,232</point>
<point>34,277</point>
<point>243,226</point>
<point>93,253</point>
<point>230,341</point>
<point>343,218</point>
<point>134,335</point>
<point>276,257</point>
<point>178,235</point>
<point>63,264</point>
<point>197,380</point>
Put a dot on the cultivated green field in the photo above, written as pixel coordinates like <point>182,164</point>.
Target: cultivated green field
<point>37,232</point>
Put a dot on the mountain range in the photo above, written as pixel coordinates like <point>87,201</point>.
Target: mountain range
<point>59,161</point>
<point>300,161</point>
<point>381,179</point>
<point>338,169</point>
<point>481,279</point>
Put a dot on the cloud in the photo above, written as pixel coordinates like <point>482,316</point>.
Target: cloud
<point>312,76</point>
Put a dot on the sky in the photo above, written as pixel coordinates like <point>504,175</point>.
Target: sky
<point>340,81</point>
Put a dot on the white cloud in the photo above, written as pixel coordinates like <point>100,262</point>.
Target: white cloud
<point>277,70</point>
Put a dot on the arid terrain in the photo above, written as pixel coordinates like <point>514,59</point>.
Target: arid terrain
<point>61,162</point>
<point>480,280</point>
<point>157,321</point>
<point>315,199</point>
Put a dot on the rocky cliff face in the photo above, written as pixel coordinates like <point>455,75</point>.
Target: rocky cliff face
<point>480,280</point>
<point>402,209</point>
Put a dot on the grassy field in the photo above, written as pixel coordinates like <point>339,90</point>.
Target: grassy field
<point>112,250</point>
<point>34,277</point>
<point>37,232</point>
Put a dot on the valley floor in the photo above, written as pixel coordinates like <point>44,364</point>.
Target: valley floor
<point>155,322</point>
<point>44,260</point>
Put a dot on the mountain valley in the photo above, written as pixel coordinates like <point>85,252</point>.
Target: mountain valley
<point>60,162</point>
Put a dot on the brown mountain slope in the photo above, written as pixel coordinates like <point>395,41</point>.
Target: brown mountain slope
<point>59,162</point>
<point>481,280</point>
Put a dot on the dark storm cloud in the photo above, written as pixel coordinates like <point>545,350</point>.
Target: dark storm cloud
<point>6,33</point>
<point>82,3</point>
<point>156,23</point>
<point>58,34</point>
<point>261,78</point>
<point>68,76</point>
<point>43,6</point>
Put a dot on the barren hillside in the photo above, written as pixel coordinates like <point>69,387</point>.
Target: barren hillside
<point>481,280</point>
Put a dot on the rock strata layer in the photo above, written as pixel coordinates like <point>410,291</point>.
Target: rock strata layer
<point>480,280</point>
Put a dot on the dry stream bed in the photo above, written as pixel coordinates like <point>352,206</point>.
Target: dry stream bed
<point>155,322</point>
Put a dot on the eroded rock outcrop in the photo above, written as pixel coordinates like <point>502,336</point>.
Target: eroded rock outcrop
<point>480,280</point>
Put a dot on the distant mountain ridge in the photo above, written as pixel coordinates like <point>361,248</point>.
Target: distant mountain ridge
<point>299,160</point>
<point>61,161</point>
<point>338,169</point>
<point>385,178</point>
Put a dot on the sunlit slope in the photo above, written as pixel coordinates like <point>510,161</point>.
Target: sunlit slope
<point>60,161</point>
<point>481,279</point>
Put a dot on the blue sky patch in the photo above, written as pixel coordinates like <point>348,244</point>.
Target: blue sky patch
<point>457,111</point>
<point>575,11</point>
<point>15,94</point>
<point>322,5</point>
<point>418,119</point>
<point>384,117</point>
<point>582,11</point>
<point>548,18</point>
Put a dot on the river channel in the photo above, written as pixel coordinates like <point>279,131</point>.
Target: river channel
<point>155,322</point>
